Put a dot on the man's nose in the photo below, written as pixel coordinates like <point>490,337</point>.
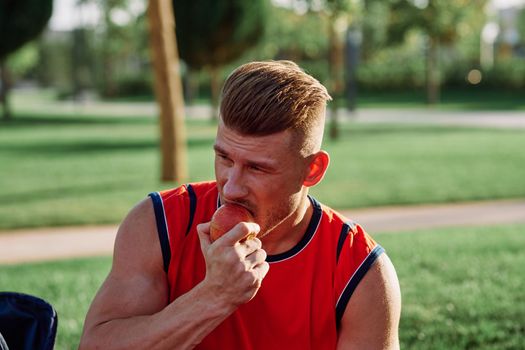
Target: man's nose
<point>234,188</point>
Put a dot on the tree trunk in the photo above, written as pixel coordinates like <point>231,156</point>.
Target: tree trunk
<point>168,89</point>
<point>336,60</point>
<point>433,79</point>
<point>352,51</point>
<point>191,86</point>
<point>334,120</point>
<point>215,90</point>
<point>5,84</point>
<point>109,86</point>
<point>77,54</point>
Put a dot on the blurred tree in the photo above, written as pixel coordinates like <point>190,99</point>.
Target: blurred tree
<point>118,49</point>
<point>20,22</point>
<point>22,62</point>
<point>294,36</point>
<point>440,20</point>
<point>82,62</point>
<point>521,30</point>
<point>54,66</point>
<point>168,89</point>
<point>374,27</point>
<point>341,14</point>
<point>338,12</point>
<point>117,43</point>
<point>213,33</point>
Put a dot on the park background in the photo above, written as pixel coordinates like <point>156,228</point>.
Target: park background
<point>80,143</point>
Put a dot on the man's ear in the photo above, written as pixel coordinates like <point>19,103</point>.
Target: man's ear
<point>316,168</point>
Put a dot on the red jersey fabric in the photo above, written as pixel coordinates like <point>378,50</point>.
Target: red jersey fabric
<point>303,296</point>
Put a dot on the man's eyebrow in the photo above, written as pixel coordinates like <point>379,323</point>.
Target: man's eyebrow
<point>218,149</point>
<point>262,164</point>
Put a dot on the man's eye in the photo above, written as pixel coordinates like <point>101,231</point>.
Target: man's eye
<point>224,158</point>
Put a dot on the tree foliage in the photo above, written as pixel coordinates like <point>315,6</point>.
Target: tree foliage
<point>211,34</point>
<point>21,21</point>
<point>117,47</point>
<point>440,20</point>
<point>214,33</point>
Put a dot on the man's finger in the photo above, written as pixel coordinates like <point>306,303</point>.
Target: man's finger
<point>239,232</point>
<point>248,246</point>
<point>261,270</point>
<point>204,235</point>
<point>256,258</point>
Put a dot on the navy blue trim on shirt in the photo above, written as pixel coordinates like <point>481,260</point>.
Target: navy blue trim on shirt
<point>342,239</point>
<point>312,227</point>
<point>354,282</point>
<point>347,226</point>
<point>162,228</point>
<point>193,206</point>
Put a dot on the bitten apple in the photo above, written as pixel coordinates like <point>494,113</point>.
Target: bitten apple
<point>226,217</point>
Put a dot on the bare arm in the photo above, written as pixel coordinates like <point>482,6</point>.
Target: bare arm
<point>131,309</point>
<point>371,318</point>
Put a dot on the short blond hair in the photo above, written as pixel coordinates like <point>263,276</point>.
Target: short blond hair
<point>263,98</point>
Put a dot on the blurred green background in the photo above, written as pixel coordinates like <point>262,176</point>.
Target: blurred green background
<point>79,134</point>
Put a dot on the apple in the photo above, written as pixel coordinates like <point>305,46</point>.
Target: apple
<point>226,217</point>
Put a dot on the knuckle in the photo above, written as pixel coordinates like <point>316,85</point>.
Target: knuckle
<point>250,246</point>
<point>243,227</point>
<point>263,255</point>
<point>247,278</point>
<point>255,243</point>
<point>265,267</point>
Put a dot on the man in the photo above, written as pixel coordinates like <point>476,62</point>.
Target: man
<point>310,280</point>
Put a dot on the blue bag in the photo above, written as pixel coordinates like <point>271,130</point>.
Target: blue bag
<point>26,322</point>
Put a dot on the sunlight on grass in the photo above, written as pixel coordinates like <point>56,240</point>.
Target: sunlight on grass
<point>67,170</point>
<point>462,288</point>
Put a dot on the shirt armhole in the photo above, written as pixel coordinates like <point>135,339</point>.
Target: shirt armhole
<point>354,280</point>
<point>162,228</point>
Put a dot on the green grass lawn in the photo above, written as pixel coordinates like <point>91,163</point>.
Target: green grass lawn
<point>402,164</point>
<point>462,288</point>
<point>67,170</point>
<point>473,98</point>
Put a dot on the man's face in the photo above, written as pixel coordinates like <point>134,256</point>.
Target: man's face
<point>264,174</point>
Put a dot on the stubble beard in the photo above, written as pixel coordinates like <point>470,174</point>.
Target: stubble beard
<point>278,216</point>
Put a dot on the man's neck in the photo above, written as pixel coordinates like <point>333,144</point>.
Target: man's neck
<point>289,232</point>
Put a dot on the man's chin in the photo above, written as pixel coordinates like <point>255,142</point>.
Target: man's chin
<point>266,231</point>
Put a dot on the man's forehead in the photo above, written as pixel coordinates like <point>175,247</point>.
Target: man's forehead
<point>229,135</point>
<point>270,148</point>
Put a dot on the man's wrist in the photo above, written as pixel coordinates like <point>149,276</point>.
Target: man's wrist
<point>215,303</point>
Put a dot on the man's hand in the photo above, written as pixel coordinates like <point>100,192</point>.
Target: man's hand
<point>235,266</point>
<point>130,308</point>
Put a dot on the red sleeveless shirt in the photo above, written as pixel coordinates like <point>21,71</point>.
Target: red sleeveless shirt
<point>304,295</point>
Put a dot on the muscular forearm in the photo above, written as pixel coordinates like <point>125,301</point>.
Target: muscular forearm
<point>181,325</point>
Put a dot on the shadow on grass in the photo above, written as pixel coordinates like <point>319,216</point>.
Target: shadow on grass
<point>352,130</point>
<point>85,147</point>
<point>76,191</point>
<point>98,146</point>
<point>466,99</point>
<point>25,120</point>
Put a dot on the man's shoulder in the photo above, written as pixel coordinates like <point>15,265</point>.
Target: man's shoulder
<point>334,217</point>
<point>344,228</point>
<point>187,202</point>
<point>189,189</point>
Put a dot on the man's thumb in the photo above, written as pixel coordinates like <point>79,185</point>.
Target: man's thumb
<point>204,235</point>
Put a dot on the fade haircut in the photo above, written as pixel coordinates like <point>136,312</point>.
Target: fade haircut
<point>264,98</point>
